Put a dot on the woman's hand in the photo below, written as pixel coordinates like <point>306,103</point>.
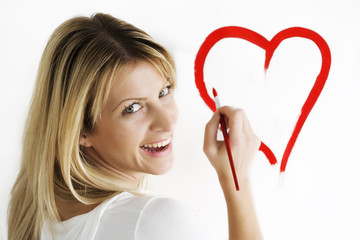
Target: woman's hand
<point>244,143</point>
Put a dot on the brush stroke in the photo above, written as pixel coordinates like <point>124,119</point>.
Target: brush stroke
<point>269,47</point>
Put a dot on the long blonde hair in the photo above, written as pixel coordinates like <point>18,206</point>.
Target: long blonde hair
<point>73,83</point>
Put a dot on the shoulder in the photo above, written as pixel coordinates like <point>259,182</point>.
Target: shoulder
<point>150,218</point>
<point>164,207</point>
<point>120,216</point>
<point>167,218</point>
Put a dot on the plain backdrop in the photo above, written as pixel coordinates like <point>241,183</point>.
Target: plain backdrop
<point>319,195</point>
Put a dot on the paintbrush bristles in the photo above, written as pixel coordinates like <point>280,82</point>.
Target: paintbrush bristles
<point>216,99</point>
<point>214,92</point>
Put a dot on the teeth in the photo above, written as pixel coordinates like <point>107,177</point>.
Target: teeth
<point>164,143</point>
<point>156,145</point>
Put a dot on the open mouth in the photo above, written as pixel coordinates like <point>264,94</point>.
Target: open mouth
<point>156,147</point>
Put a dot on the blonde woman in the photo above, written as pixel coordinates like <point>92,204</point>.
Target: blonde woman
<point>102,117</point>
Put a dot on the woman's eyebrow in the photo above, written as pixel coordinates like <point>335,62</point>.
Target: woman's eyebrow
<point>127,99</point>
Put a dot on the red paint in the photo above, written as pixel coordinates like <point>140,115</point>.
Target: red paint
<point>268,153</point>
<point>227,144</point>
<point>215,93</point>
<point>269,47</point>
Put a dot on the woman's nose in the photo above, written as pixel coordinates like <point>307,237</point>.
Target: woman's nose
<point>164,118</point>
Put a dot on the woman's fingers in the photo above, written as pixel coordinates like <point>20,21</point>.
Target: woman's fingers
<point>237,122</point>
<point>250,132</point>
<point>210,142</point>
<point>234,119</point>
<point>244,143</point>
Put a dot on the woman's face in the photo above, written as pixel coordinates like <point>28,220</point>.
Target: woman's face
<point>134,132</point>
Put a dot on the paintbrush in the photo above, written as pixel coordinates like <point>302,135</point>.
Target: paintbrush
<point>226,139</point>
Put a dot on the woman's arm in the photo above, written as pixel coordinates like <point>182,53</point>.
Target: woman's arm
<point>244,144</point>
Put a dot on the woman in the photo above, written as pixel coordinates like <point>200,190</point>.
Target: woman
<point>102,117</point>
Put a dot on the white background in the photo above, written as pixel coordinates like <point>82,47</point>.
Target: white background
<point>319,197</point>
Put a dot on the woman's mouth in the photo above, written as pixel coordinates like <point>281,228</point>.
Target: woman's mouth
<point>156,147</point>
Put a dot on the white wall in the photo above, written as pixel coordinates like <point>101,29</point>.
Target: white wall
<point>319,197</point>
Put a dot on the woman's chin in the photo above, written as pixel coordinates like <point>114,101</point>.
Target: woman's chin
<point>163,168</point>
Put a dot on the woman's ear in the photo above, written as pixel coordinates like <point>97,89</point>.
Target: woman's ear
<point>85,140</point>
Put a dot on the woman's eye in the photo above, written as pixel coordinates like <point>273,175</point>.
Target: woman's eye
<point>134,107</point>
<point>165,91</point>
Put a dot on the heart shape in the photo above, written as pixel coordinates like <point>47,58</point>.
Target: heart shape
<point>269,47</point>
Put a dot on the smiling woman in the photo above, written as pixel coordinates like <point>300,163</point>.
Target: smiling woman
<point>134,137</point>
<point>102,117</point>
<point>91,90</point>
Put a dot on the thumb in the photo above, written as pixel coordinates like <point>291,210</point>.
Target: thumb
<point>210,142</point>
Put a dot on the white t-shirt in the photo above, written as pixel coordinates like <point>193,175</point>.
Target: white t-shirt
<point>129,217</point>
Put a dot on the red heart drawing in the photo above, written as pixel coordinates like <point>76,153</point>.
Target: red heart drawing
<point>269,47</point>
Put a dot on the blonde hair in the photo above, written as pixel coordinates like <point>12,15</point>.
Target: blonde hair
<point>73,83</point>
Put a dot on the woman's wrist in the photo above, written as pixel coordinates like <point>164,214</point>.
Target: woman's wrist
<point>227,181</point>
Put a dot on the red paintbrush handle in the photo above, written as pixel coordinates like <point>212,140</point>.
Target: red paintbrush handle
<point>228,150</point>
